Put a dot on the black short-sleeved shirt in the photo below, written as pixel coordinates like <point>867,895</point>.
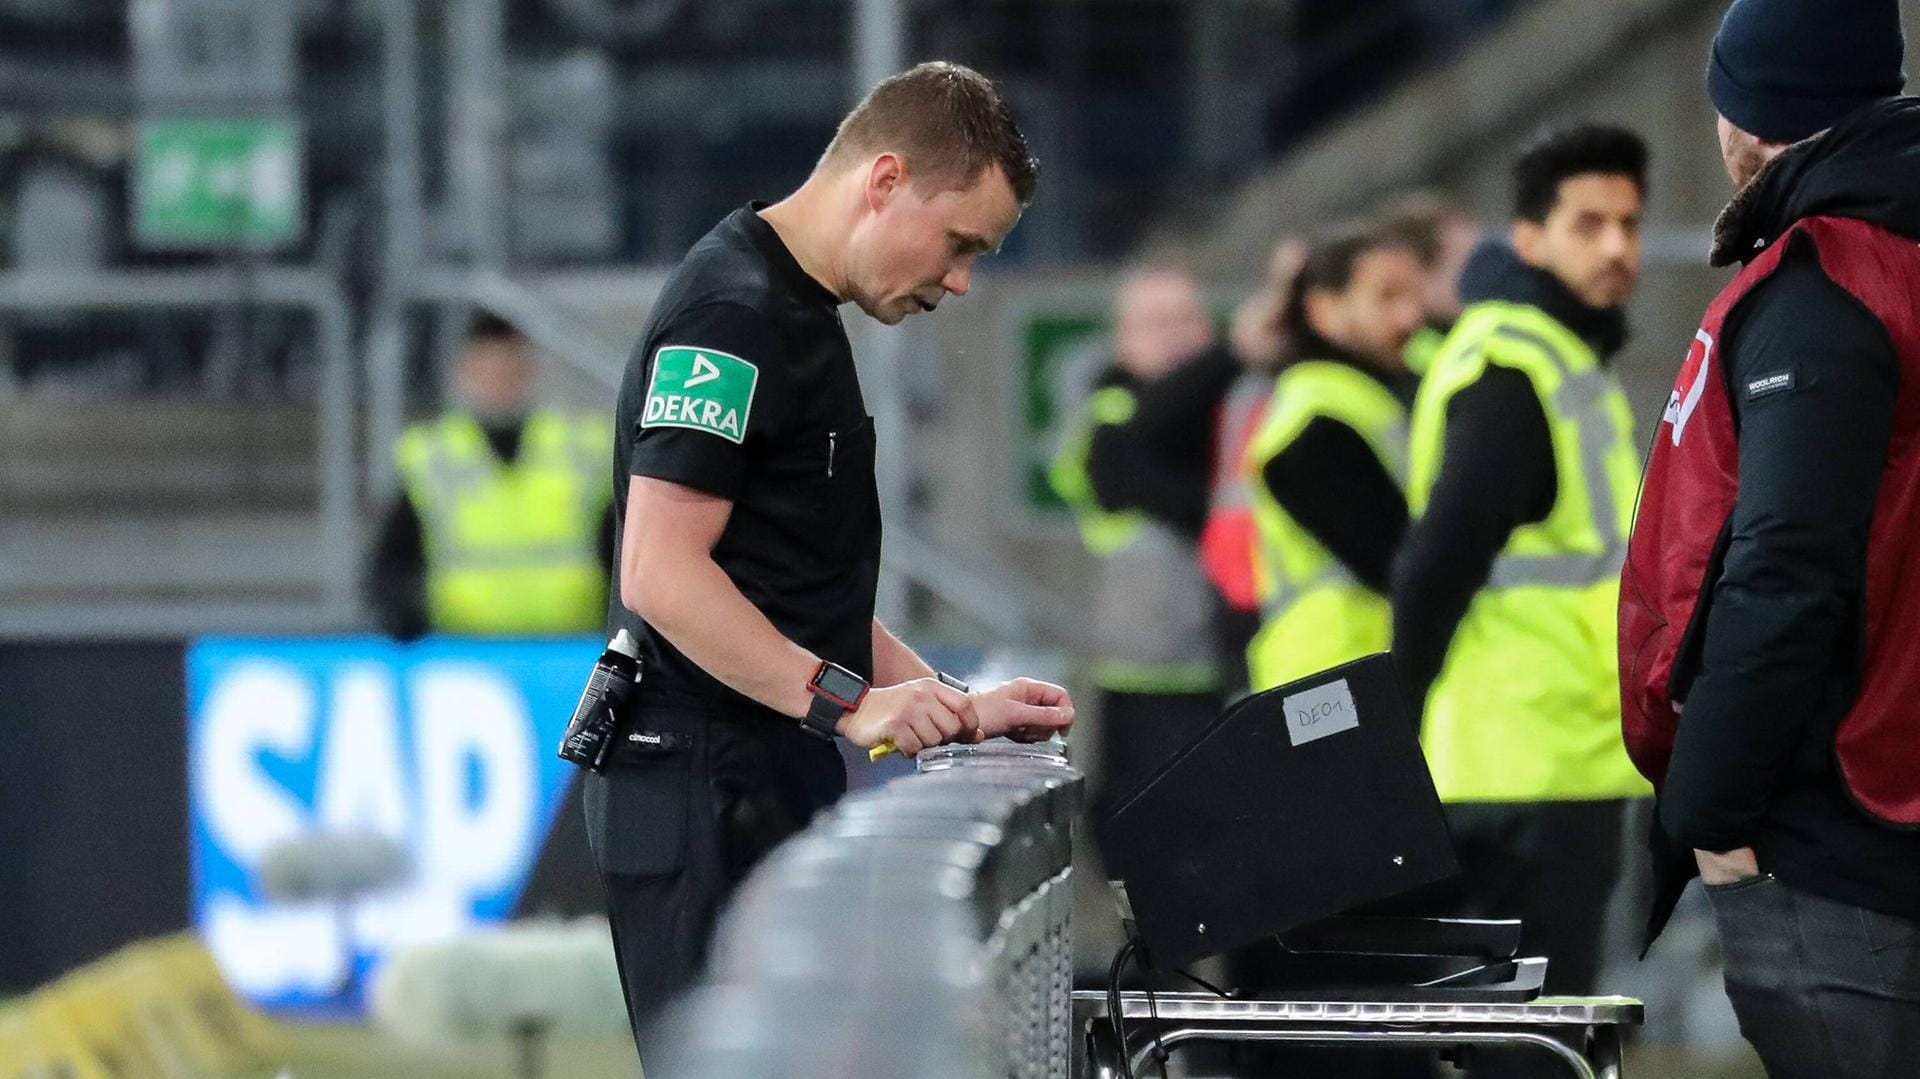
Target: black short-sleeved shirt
<point>743,386</point>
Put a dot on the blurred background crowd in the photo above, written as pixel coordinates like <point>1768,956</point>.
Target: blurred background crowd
<point>310,314</point>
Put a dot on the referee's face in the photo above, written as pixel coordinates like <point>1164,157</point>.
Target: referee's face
<point>919,245</point>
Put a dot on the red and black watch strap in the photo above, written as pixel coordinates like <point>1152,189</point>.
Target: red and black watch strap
<point>823,718</point>
<point>836,691</point>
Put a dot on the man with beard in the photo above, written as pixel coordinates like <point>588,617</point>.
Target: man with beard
<point>1769,586</point>
<point>1521,480</point>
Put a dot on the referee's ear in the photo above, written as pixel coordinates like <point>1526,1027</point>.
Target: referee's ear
<point>886,179</point>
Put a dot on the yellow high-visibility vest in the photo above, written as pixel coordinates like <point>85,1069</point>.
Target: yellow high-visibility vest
<point>1112,536</point>
<point>1102,530</point>
<point>1527,704</point>
<point>1315,613</point>
<point>511,548</point>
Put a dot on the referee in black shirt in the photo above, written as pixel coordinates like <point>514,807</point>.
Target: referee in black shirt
<point>749,519</point>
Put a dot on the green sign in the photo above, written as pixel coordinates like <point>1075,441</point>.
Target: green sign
<point>202,183</point>
<point>701,390</point>
<point>1052,343</point>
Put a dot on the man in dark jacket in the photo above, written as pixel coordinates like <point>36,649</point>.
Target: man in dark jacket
<point>1327,464</point>
<point>1770,588</point>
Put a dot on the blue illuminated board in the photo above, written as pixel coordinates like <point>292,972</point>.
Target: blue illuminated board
<point>446,746</point>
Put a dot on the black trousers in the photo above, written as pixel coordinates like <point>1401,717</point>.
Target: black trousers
<point>679,819</point>
<point>1823,989</point>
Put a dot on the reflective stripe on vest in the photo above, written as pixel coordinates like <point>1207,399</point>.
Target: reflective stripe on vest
<point>511,548</point>
<point>1526,707</point>
<point>1240,417</point>
<point>1582,396</point>
<point>1317,614</point>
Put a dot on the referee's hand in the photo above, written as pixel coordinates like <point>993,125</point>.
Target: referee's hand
<point>1025,710</point>
<point>913,716</point>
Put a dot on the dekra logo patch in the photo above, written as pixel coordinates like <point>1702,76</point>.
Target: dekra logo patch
<point>700,389</point>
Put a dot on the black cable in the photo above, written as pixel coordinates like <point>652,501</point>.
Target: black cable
<point>1118,1020</point>
<point>1113,1008</point>
<point>1153,1012</point>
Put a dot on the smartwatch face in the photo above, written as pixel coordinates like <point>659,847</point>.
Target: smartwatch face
<point>842,685</point>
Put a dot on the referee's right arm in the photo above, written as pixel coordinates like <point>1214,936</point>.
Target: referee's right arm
<point>669,578</point>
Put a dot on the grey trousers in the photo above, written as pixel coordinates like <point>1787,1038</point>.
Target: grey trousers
<point>1822,989</point>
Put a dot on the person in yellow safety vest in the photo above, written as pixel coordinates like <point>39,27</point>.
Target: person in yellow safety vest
<point>1522,473</point>
<point>1443,234</point>
<point>1139,505</point>
<point>1221,393</point>
<point>1325,468</point>
<point>503,524</point>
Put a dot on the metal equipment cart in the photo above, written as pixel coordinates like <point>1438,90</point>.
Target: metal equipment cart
<point>1581,1033</point>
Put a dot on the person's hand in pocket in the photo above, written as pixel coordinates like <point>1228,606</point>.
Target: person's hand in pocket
<point>1726,867</point>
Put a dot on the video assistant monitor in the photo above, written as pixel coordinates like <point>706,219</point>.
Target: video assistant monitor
<point>1296,804</point>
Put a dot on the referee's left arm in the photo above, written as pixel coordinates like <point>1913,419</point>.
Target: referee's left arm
<point>669,578</point>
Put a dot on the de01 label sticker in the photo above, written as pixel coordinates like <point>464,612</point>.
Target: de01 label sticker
<point>1320,711</point>
<point>701,390</point>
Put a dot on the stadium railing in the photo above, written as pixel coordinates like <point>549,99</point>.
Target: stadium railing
<point>919,929</point>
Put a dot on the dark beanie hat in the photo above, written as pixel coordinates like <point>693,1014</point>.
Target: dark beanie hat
<point>1786,69</point>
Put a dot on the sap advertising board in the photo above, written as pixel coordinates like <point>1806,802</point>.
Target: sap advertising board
<point>444,745</point>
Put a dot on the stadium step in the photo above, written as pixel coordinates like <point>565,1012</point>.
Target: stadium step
<point>137,456</point>
<point>85,555</point>
<point>1500,86</point>
<point>142,517</point>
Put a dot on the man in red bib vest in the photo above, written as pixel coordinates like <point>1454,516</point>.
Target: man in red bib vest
<point>1770,605</point>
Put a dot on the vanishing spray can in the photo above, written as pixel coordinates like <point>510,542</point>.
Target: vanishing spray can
<point>590,735</point>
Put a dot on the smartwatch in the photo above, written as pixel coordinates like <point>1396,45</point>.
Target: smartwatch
<point>836,691</point>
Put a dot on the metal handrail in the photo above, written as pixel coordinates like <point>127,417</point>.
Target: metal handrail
<point>948,897</point>
<point>307,289</point>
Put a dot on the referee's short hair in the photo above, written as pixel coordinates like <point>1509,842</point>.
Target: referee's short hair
<point>946,120</point>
